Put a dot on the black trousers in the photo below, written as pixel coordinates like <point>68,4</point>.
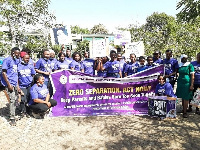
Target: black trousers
<point>41,108</point>
<point>24,99</point>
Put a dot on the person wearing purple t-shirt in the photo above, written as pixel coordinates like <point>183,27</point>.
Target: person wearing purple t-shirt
<point>28,51</point>
<point>88,64</point>
<point>112,66</point>
<point>76,64</point>
<point>52,59</point>
<point>40,100</point>
<point>142,65</point>
<point>131,68</point>
<point>9,79</point>
<point>150,63</point>
<point>156,58</point>
<point>171,67</point>
<point>163,88</point>
<point>61,63</point>
<point>196,65</point>
<point>26,72</point>
<point>122,63</point>
<point>98,68</point>
<point>43,66</point>
<point>68,57</point>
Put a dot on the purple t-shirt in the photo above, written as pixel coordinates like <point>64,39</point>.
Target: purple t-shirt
<point>30,61</point>
<point>69,60</point>
<point>102,73</point>
<point>38,92</point>
<point>10,65</point>
<point>44,65</point>
<point>53,62</point>
<point>131,68</point>
<point>112,67</point>
<point>61,65</point>
<point>158,61</point>
<point>170,65</point>
<point>25,72</point>
<point>88,66</point>
<point>76,65</point>
<point>197,72</point>
<point>164,90</point>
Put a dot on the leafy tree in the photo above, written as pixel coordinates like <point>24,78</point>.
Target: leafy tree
<point>82,47</point>
<point>20,16</point>
<point>189,10</point>
<point>99,29</point>
<point>77,30</point>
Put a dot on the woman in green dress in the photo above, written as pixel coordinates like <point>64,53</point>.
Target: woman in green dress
<point>185,83</point>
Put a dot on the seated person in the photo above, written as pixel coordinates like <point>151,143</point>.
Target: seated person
<point>163,88</point>
<point>40,100</point>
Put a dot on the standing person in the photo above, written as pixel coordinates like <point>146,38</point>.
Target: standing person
<point>171,67</point>
<point>156,58</point>
<point>88,64</point>
<point>196,65</point>
<point>76,64</point>
<point>43,66</point>
<point>9,79</point>
<point>163,88</point>
<point>68,57</point>
<point>52,59</point>
<point>185,83</point>
<point>122,63</point>
<point>61,63</point>
<point>112,67</point>
<point>150,63</point>
<point>98,68</point>
<point>28,51</point>
<point>131,68</point>
<point>26,72</point>
<point>142,65</point>
<point>40,100</point>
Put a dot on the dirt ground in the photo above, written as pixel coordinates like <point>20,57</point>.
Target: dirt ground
<point>99,133</point>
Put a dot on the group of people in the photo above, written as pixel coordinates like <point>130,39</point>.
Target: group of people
<point>22,77</point>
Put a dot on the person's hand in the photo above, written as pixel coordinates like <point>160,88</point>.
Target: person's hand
<point>10,88</point>
<point>191,88</point>
<point>48,104</point>
<point>19,90</point>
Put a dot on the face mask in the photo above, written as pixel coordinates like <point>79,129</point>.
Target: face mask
<point>39,84</point>
<point>50,58</point>
<point>45,59</point>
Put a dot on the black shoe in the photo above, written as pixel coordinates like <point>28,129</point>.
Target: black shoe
<point>185,115</point>
<point>181,111</point>
<point>189,110</point>
<point>197,112</point>
<point>12,122</point>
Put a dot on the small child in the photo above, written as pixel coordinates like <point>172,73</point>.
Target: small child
<point>163,88</point>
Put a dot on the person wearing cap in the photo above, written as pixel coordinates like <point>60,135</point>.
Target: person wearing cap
<point>185,83</point>
<point>26,51</point>
<point>171,67</point>
<point>9,79</point>
<point>156,58</point>
<point>196,65</point>
<point>26,72</point>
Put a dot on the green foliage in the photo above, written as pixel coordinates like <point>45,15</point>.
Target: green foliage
<point>99,29</point>
<point>56,48</point>
<point>82,47</point>
<point>77,30</point>
<point>189,10</point>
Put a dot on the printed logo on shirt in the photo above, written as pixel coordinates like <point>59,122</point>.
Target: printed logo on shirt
<point>168,66</point>
<point>115,66</point>
<point>64,66</point>
<point>44,92</point>
<point>25,72</point>
<point>48,67</point>
<point>197,69</point>
<point>15,68</point>
<point>161,91</point>
<point>88,64</point>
